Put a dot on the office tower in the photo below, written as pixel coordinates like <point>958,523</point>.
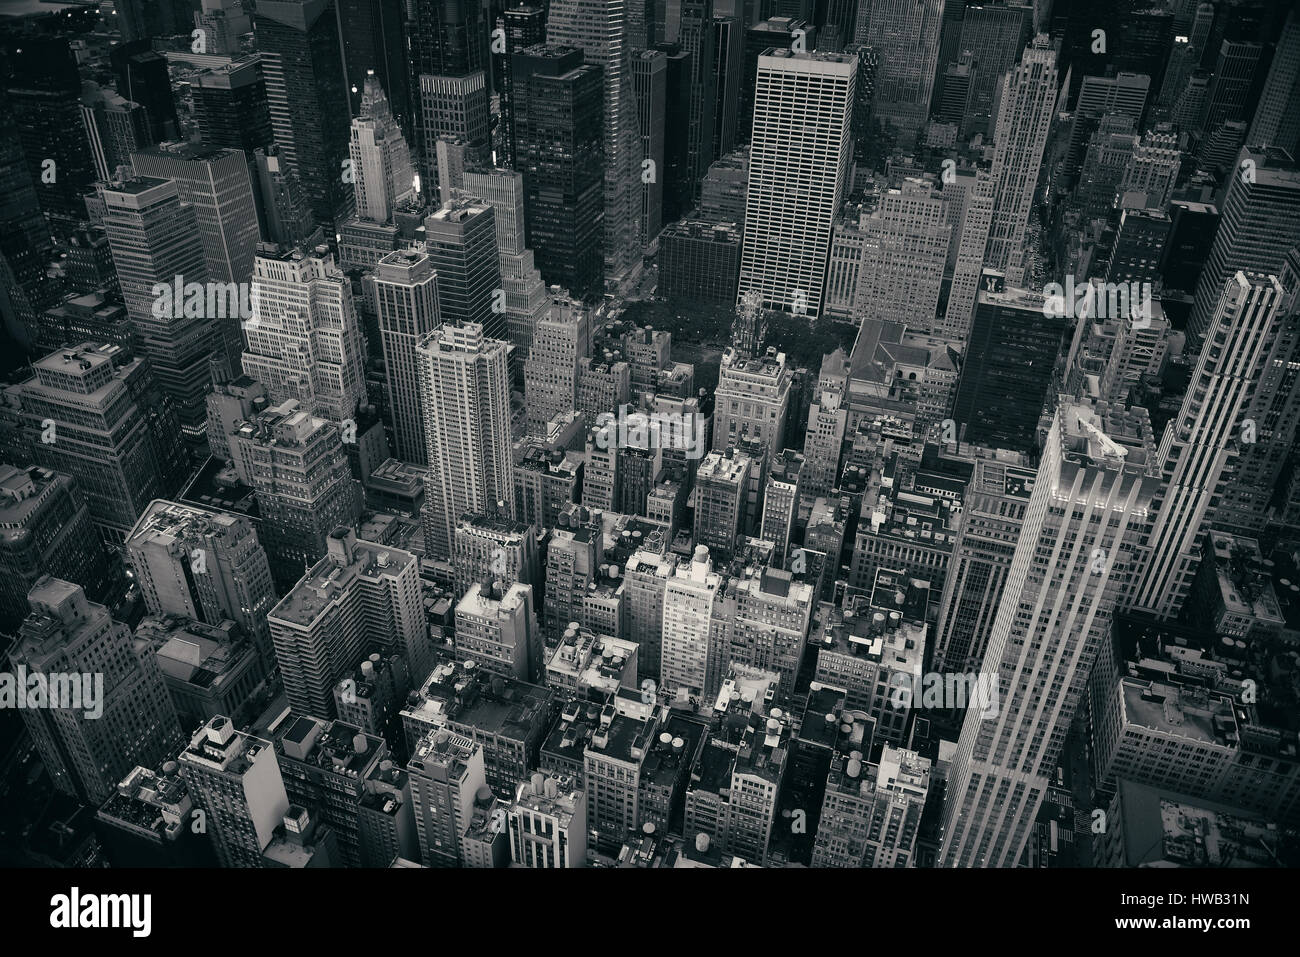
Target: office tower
<point>156,242</point>
<point>781,503</point>
<point>372,34</point>
<point>95,414</point>
<point>688,607</point>
<point>1139,246</point>
<point>222,23</point>
<point>381,162</point>
<point>230,107</point>
<point>1192,229</point>
<point>600,32</point>
<point>114,127</point>
<point>646,575</point>
<point>551,372</point>
<point>798,170</point>
<point>1026,105</point>
<point>1087,516</point>
<point>1124,94</point>
<point>1201,443</point>
<point>770,626</point>
<point>1277,112</point>
<point>447,774</point>
<point>558,119</point>
<point>525,293</point>
<point>307,94</point>
<point>405,291</point>
<point>298,470</point>
<point>751,400</point>
<point>772,33</point>
<point>728,54</point>
<point>650,83</point>
<point>968,265</point>
<point>602,386</point>
<point>43,93</point>
<point>360,596</point>
<point>1110,151</point>
<point>524,26</point>
<point>90,262</point>
<point>1153,169</point>
<point>907,234</point>
<point>20,206</point>
<point>448,58</point>
<point>761,759</point>
<point>613,764</point>
<point>235,780</point>
<point>113,711</point>
<point>871,813</point>
<point>460,241</point>
<point>908,32</point>
<point>699,262</point>
<point>827,420</point>
<point>954,89</point>
<point>696,37</point>
<point>142,77</point>
<point>205,565</point>
<point>304,341</point>
<point>494,549</point>
<point>994,35</point>
<point>496,628</point>
<point>1260,224</point>
<point>45,529</point>
<point>548,824</point>
<point>90,318</point>
<point>464,380</point>
<point>1234,77</point>
<point>721,484</point>
<point>995,507</point>
<point>1010,357</point>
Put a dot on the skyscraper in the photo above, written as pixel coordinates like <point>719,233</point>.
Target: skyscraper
<point>465,382</point>
<point>524,26</point>
<point>650,81</point>
<point>307,93</point>
<point>600,32</point>
<point>381,162</point>
<point>405,291</point>
<point>1087,515</point>
<point>696,37</point>
<point>1026,105</point>
<point>461,243</point>
<point>124,717</point>
<point>1277,114</point>
<point>156,243</point>
<point>558,135</point>
<point>907,33</point>
<point>1260,224</point>
<point>1202,441</point>
<point>798,170</point>
<point>448,45</point>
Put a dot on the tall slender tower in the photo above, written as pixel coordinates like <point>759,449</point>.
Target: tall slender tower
<point>383,177</point>
<point>908,33</point>
<point>1203,440</point>
<point>600,32</point>
<point>1277,117</point>
<point>798,169</point>
<point>1086,517</point>
<point>1025,109</point>
<point>465,383</point>
<point>696,37</point>
<point>404,288</point>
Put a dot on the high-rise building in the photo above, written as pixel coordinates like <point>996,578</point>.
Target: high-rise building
<point>685,653</point>
<point>360,596</point>
<point>304,339</point>
<point>970,239</point>
<point>94,414</point>
<point>908,32</point>
<point>559,142</point>
<point>650,83</point>
<point>721,485</point>
<point>404,287</point>
<point>994,35</point>
<point>142,76</point>
<point>156,243</point>
<point>1088,514</point>
<point>1276,121</point>
<point>524,26</point>
<point>447,774</point>
<point>490,549</point>
<point>751,400</point>
<point>778,32</point>
<point>205,565</point>
<point>1200,443</point>
<point>496,628</point>
<point>560,341</point>
<point>798,172</point>
<point>695,35</point>
<point>465,382</point>
<point>115,128</point>
<point>600,32</point>
<point>234,778</point>
<point>871,814</point>
<point>230,108</point>
<point>699,262</point>
<point>728,52</point>
<point>297,468</point>
<point>460,241</point>
<point>1260,223</point>
<point>449,61</point>
<point>548,825</point>
<point>1026,106</point>
<point>45,529</point>
<point>115,713</point>
<point>307,93</point>
<point>381,161</point>
<point>1010,357</point>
